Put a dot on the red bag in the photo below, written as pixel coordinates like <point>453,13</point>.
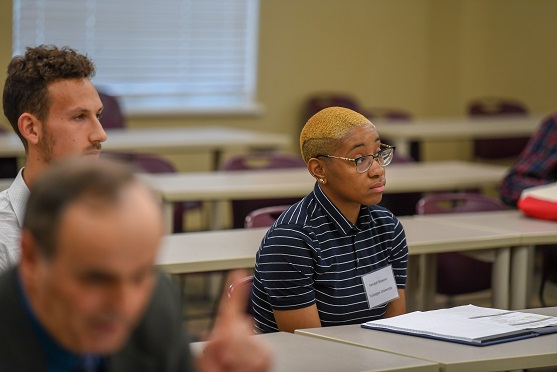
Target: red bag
<point>540,202</point>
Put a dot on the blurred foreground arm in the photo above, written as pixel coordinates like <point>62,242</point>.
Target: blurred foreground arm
<point>231,345</point>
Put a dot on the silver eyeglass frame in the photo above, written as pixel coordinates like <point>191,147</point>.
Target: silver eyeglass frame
<point>379,155</point>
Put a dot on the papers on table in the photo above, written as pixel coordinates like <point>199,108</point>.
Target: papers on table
<point>469,324</point>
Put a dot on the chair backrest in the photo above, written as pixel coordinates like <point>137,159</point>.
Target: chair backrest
<point>264,217</point>
<point>143,162</point>
<point>457,203</point>
<point>112,116</point>
<point>254,162</point>
<point>152,164</point>
<point>263,160</point>
<point>453,268</point>
<point>490,106</point>
<point>155,164</point>
<point>386,113</point>
<point>497,148</point>
<point>319,101</point>
<point>392,115</point>
<point>241,283</point>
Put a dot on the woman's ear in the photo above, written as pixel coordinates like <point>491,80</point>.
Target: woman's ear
<point>315,168</point>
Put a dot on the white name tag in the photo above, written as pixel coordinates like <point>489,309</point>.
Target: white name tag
<point>380,286</point>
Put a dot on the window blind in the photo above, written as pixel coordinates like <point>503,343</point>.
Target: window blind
<point>153,53</point>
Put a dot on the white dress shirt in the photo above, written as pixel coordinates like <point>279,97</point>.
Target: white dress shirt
<point>12,212</point>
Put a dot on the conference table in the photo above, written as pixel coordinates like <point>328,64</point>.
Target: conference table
<point>452,357</point>
<point>293,353</point>
<point>176,140</point>
<point>297,182</point>
<point>401,133</point>
<point>232,249</point>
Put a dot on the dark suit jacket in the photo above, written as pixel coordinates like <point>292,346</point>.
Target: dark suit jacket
<point>157,344</point>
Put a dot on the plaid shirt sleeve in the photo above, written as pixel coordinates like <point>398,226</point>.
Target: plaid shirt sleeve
<point>537,164</point>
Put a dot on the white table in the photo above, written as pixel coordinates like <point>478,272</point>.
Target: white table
<point>292,353</point>
<point>428,237</point>
<point>209,251</point>
<point>232,249</point>
<point>278,183</point>
<point>531,232</point>
<point>530,353</point>
<point>443,129</point>
<point>179,140</point>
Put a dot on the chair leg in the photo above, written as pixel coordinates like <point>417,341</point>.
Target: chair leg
<point>217,300</point>
<point>542,287</point>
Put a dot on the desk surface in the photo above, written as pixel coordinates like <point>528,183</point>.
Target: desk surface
<point>232,249</point>
<point>296,353</point>
<point>443,129</point>
<point>532,231</point>
<point>530,353</point>
<point>210,251</point>
<point>277,183</point>
<point>459,128</point>
<point>171,140</point>
<point>426,236</point>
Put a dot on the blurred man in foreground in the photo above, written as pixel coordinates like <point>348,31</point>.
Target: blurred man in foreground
<point>85,295</point>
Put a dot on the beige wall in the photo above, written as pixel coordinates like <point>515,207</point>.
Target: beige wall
<point>426,56</point>
<point>5,46</point>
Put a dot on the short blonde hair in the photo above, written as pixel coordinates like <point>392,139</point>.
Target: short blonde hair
<point>325,130</point>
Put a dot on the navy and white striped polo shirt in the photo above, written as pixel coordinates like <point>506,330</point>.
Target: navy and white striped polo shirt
<point>313,254</point>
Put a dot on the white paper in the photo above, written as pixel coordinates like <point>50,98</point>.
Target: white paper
<point>466,323</point>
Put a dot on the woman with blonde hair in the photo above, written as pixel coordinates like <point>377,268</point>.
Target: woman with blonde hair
<point>335,257</point>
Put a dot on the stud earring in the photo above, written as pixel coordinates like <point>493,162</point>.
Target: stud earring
<point>322,180</point>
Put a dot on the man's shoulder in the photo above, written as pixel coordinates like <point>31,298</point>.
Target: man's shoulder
<point>7,212</point>
<point>10,233</point>
<point>163,311</point>
<point>17,340</point>
<point>7,284</point>
<point>13,201</point>
<point>5,201</point>
<point>159,339</point>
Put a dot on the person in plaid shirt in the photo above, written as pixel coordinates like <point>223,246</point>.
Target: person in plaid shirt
<point>536,165</point>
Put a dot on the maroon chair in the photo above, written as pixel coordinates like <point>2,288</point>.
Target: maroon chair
<point>497,148</point>
<point>549,269</point>
<point>258,161</point>
<point>264,217</point>
<point>386,113</point>
<point>319,101</point>
<point>391,115</point>
<point>154,164</point>
<point>112,116</point>
<point>458,273</point>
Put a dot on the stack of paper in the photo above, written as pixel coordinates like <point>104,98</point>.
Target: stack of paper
<point>469,324</point>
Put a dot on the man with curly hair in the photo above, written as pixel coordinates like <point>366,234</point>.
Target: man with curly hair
<point>54,108</point>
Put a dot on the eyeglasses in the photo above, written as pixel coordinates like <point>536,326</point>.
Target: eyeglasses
<point>363,163</point>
